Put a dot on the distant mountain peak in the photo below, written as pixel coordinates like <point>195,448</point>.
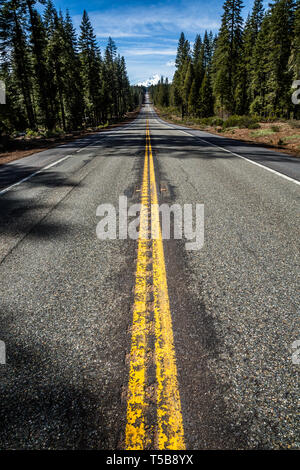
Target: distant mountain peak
<point>151,81</point>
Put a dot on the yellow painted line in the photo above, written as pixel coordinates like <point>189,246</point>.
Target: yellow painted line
<point>170,434</point>
<point>135,429</point>
<point>170,423</point>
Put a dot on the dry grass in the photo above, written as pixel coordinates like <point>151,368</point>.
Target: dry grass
<point>283,139</point>
<point>280,136</point>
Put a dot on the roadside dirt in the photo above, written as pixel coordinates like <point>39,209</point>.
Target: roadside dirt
<point>23,146</point>
<point>279,136</point>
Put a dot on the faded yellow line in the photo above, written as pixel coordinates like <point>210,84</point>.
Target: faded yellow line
<point>170,424</point>
<point>135,438</point>
<point>170,434</point>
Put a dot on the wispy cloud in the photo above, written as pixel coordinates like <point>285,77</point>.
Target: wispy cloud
<point>148,51</point>
<point>151,20</point>
<point>115,33</point>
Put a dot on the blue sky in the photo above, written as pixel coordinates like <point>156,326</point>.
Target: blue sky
<point>146,32</point>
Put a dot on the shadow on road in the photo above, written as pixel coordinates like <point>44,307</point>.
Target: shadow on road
<point>47,401</point>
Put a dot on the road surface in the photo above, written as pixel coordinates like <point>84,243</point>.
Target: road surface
<point>212,364</point>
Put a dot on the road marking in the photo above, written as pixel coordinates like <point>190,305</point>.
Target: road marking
<point>169,429</point>
<point>23,180</point>
<point>288,178</point>
<point>136,406</point>
<point>87,146</point>
<point>3,191</point>
<point>170,424</point>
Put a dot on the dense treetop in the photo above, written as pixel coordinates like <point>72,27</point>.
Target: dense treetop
<point>248,68</point>
<point>55,79</point>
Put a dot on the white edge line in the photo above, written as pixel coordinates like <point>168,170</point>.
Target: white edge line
<point>33,174</point>
<point>288,178</point>
<point>3,191</point>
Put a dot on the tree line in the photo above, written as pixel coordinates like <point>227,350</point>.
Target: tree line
<point>54,78</point>
<point>247,68</point>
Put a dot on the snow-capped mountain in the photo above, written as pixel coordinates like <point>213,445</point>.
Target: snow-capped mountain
<point>151,81</point>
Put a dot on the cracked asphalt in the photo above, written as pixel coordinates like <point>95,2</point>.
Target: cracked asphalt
<point>66,297</point>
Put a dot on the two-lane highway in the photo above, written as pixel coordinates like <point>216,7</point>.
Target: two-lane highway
<point>134,343</point>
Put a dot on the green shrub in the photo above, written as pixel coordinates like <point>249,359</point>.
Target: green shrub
<point>262,133</point>
<point>31,133</point>
<point>239,121</point>
<point>53,133</point>
<point>275,128</point>
<point>269,118</point>
<point>210,121</point>
<point>255,125</point>
<point>294,123</point>
<point>5,127</point>
<point>293,137</point>
<point>103,126</point>
<point>249,122</point>
<point>47,134</point>
<point>205,121</point>
<point>217,122</point>
<point>232,121</point>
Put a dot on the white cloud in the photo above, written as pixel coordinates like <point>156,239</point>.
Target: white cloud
<point>149,21</point>
<point>170,63</point>
<point>148,51</point>
<point>114,33</point>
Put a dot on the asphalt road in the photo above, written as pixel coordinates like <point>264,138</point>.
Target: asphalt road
<point>66,297</point>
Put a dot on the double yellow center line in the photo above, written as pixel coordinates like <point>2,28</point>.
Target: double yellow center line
<point>151,313</point>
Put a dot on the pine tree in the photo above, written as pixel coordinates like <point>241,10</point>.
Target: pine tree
<point>193,101</point>
<point>181,82</point>
<point>294,60</point>
<point>44,76</point>
<point>110,65</point>
<point>54,56</point>
<point>187,85</point>
<point>260,69</point>
<point>206,97</point>
<point>208,43</point>
<point>279,79</point>
<point>49,82</point>
<point>73,87</point>
<point>90,70</point>
<point>249,43</point>
<point>197,49</point>
<point>228,55</point>
<point>199,70</point>
<point>123,87</point>
<point>183,51</point>
<point>251,30</point>
<point>13,37</point>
